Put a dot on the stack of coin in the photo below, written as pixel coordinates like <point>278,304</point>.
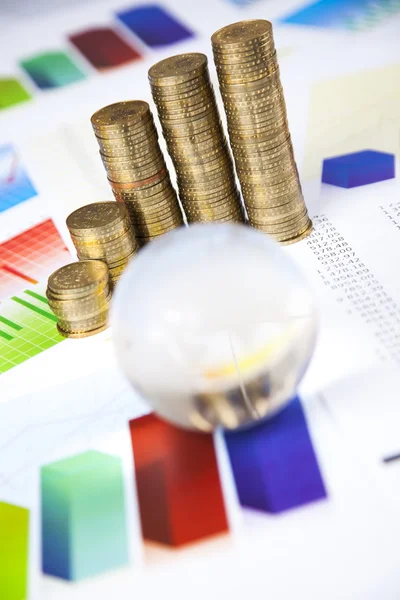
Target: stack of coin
<point>192,128</point>
<point>136,169</point>
<point>103,231</point>
<point>79,295</point>
<point>248,73</point>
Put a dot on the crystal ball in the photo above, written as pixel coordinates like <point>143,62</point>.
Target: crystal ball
<point>214,325</point>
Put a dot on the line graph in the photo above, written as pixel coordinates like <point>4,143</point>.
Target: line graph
<point>15,184</point>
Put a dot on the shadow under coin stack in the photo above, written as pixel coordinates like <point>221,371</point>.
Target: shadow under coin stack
<point>79,295</point>
<point>192,128</point>
<point>103,231</point>
<point>136,169</point>
<point>249,79</point>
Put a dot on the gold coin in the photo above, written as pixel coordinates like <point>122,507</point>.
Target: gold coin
<point>120,114</point>
<point>143,193</point>
<point>177,69</point>
<point>269,83</point>
<point>204,94</point>
<point>140,156</point>
<point>97,297</point>
<point>127,136</point>
<point>107,253</point>
<point>78,278</point>
<point>181,89</point>
<point>135,163</point>
<point>289,229</point>
<point>296,228</point>
<point>242,34</point>
<point>130,149</point>
<point>83,334</point>
<point>262,51</point>
<point>98,217</point>
<point>72,312</point>
<point>190,128</point>
<point>299,237</point>
<point>167,197</point>
<point>133,175</point>
<point>244,72</point>
<point>203,87</point>
<point>142,184</point>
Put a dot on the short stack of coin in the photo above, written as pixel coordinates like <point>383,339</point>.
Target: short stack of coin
<point>103,231</point>
<point>136,168</point>
<point>79,295</point>
<point>248,73</point>
<point>192,128</point>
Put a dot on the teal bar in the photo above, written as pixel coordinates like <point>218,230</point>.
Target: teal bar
<point>14,532</point>
<point>37,296</point>
<point>10,323</point>
<point>84,530</point>
<point>36,309</point>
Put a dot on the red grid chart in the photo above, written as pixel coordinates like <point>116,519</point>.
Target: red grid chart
<point>30,257</point>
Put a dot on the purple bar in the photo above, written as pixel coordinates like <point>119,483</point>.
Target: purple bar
<point>274,464</point>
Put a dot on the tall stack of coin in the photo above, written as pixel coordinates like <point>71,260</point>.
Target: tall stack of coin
<point>136,169</point>
<point>103,231</point>
<point>249,79</point>
<point>79,295</point>
<point>192,128</point>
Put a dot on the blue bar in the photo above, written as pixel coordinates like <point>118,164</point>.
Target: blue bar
<point>274,464</point>
<point>154,25</point>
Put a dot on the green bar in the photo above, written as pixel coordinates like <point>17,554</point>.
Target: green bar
<point>36,309</point>
<point>10,323</point>
<point>5,335</point>
<point>12,92</point>
<point>14,530</point>
<point>37,296</point>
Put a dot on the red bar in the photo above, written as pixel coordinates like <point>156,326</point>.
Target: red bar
<point>179,488</point>
<point>13,271</point>
<point>104,48</point>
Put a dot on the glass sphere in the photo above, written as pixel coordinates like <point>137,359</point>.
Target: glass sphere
<point>214,325</point>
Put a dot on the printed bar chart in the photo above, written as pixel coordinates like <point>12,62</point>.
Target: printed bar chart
<point>27,328</point>
<point>154,25</point>
<point>52,70</point>
<point>104,48</point>
<point>30,257</point>
<point>178,484</point>
<point>15,184</point>
<point>14,535</point>
<point>12,92</point>
<point>84,529</point>
<point>274,464</point>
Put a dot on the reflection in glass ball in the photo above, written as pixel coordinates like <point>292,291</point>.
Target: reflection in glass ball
<point>214,326</point>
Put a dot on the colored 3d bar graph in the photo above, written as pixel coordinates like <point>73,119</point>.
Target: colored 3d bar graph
<point>14,532</point>
<point>84,529</point>
<point>12,92</point>
<point>27,328</point>
<point>104,48</point>
<point>358,168</point>
<point>30,257</point>
<point>52,70</point>
<point>15,184</point>
<point>274,464</point>
<point>178,484</point>
<point>154,25</point>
